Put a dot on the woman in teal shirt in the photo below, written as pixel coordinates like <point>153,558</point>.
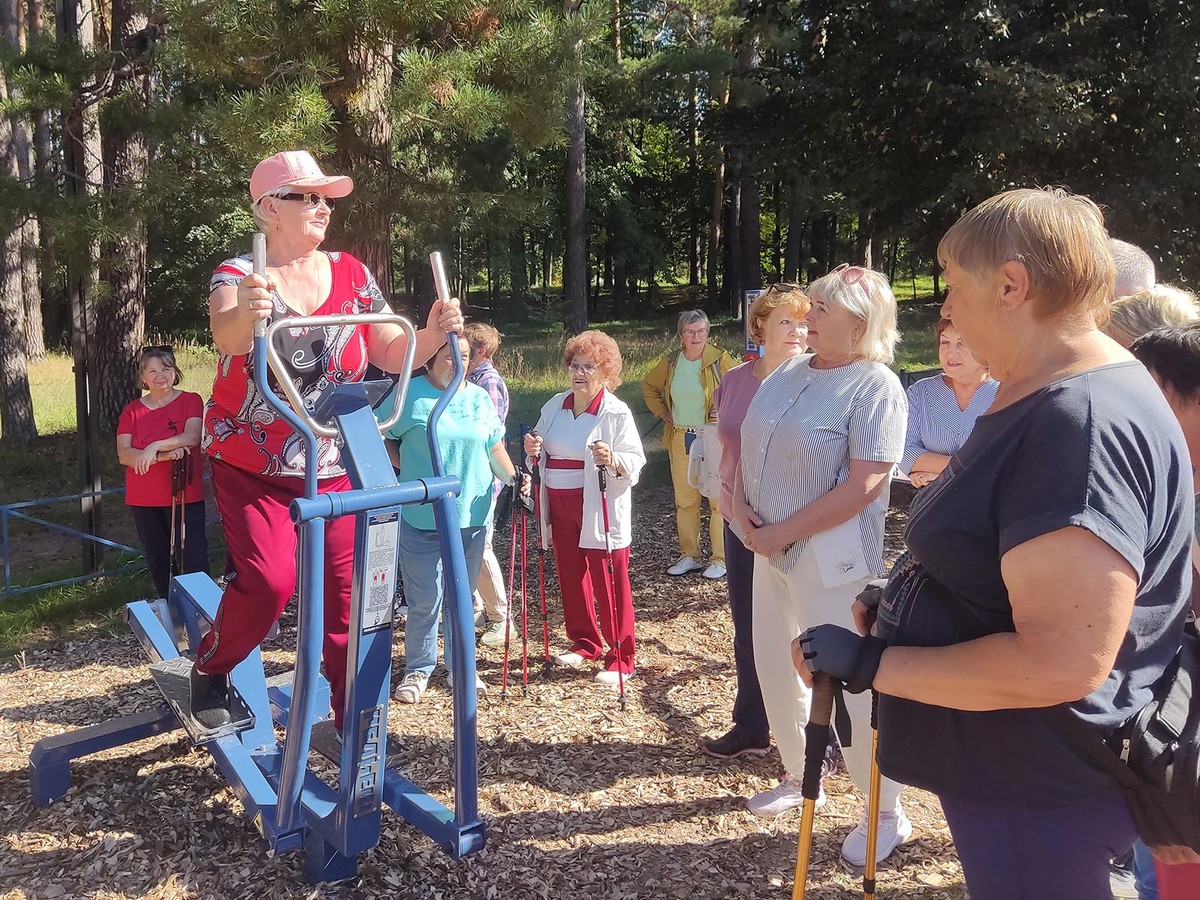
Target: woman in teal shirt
<point>472,442</point>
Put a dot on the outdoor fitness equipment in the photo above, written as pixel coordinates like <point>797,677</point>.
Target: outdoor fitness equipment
<point>816,738</point>
<point>289,804</point>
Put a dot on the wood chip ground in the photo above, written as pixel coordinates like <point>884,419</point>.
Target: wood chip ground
<point>581,799</point>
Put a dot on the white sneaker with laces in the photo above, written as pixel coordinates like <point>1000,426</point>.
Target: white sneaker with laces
<point>569,660</point>
<point>894,830</point>
<point>684,565</point>
<point>779,799</point>
<point>412,687</point>
<point>494,635</point>
<point>610,677</point>
<point>714,571</point>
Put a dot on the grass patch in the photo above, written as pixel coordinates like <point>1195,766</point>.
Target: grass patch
<point>530,358</point>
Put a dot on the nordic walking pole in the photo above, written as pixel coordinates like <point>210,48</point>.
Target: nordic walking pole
<point>512,576</point>
<point>816,737</point>
<point>524,601</point>
<point>172,559</point>
<point>184,472</point>
<point>602,476</point>
<point>536,475</point>
<point>872,804</point>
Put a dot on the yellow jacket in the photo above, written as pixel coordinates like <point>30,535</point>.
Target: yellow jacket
<point>656,386</point>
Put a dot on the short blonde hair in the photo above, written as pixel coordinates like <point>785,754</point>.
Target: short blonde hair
<point>870,297</point>
<point>602,349</point>
<point>482,337</point>
<point>1140,313</point>
<point>1057,236</point>
<point>774,298</point>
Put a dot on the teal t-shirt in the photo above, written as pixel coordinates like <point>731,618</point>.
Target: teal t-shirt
<point>687,393</point>
<point>467,430</point>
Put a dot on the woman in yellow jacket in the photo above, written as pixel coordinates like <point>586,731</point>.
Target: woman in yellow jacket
<point>679,390</point>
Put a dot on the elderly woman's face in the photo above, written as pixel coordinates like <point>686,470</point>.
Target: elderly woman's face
<point>298,215</point>
<point>586,377</point>
<point>971,305</point>
<point>693,336</point>
<point>441,367</point>
<point>958,362</point>
<point>157,375</point>
<point>784,332</point>
<point>833,331</point>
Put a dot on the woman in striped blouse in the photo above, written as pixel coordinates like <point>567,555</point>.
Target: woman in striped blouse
<point>942,410</point>
<point>819,443</point>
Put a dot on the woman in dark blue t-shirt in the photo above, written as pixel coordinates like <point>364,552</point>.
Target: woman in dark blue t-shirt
<point>1048,565</point>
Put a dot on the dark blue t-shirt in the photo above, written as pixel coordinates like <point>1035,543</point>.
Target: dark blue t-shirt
<point>1100,450</point>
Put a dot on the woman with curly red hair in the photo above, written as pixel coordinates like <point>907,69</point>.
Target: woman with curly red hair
<point>581,430</point>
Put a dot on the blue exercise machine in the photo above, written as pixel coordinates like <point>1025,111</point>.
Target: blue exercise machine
<point>288,803</point>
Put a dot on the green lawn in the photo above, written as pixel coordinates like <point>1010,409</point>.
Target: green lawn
<point>530,359</point>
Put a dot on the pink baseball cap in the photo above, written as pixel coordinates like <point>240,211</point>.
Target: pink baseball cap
<point>295,168</point>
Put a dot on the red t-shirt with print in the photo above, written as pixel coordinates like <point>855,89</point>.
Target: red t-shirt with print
<point>239,427</point>
<point>145,426</point>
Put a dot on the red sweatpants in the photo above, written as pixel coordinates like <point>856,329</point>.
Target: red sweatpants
<point>261,542</point>
<point>583,580</point>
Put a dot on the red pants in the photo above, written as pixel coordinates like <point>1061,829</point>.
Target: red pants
<point>261,542</point>
<point>582,577</point>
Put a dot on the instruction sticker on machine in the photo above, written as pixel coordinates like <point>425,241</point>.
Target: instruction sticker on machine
<point>383,542</point>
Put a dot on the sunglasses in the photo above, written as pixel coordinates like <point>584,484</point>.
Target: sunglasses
<point>312,198</point>
<point>852,275</point>
<point>158,348</point>
<point>784,287</point>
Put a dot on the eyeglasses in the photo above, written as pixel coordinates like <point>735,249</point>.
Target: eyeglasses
<point>158,348</point>
<point>585,368</point>
<point>312,198</point>
<point>694,332</point>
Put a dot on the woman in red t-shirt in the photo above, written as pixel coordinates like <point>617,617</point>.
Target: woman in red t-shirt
<point>258,461</point>
<point>155,431</point>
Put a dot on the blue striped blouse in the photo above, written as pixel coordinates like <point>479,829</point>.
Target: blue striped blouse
<point>935,422</point>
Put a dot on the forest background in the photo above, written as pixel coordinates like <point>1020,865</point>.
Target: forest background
<point>577,160</point>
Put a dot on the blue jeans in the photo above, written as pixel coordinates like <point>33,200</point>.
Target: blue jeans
<point>1144,874</point>
<point>424,588</point>
<point>1061,854</point>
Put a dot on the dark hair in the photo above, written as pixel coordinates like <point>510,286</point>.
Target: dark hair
<point>1173,355</point>
<point>164,355</point>
<point>942,324</point>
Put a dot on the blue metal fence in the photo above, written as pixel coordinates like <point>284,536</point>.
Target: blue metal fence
<point>17,511</point>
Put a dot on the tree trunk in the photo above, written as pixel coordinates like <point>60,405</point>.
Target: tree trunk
<point>363,149</point>
<point>518,308</point>
<point>865,244</point>
<point>17,426</point>
<point>751,235</point>
<point>575,298</point>
<point>120,320</point>
<point>735,283</point>
<point>715,287</point>
<point>820,248</point>
<point>794,244</point>
<point>694,213</point>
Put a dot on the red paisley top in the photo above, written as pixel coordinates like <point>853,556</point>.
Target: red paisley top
<point>239,427</point>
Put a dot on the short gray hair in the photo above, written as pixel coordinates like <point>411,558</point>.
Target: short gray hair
<point>1134,267</point>
<point>1161,306</point>
<point>256,207</point>
<point>690,317</point>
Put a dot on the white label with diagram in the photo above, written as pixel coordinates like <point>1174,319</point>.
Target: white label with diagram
<point>379,585</point>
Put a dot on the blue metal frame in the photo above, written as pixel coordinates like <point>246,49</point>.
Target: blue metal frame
<point>289,805</point>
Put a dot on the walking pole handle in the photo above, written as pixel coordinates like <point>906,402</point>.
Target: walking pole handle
<point>258,259</point>
<point>816,734</point>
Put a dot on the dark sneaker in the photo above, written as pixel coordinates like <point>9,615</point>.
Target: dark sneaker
<point>210,699</point>
<point>733,744</point>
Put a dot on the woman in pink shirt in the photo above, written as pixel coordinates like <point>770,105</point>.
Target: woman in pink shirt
<point>776,324</point>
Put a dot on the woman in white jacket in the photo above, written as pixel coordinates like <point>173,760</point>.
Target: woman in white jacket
<point>580,431</point>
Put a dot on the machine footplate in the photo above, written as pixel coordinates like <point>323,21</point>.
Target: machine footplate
<point>172,677</point>
<point>325,741</point>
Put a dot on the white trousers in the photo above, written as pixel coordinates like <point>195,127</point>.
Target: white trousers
<point>784,605</point>
<point>489,587</point>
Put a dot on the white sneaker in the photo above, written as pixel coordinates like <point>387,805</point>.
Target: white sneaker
<point>715,571</point>
<point>481,619</point>
<point>480,686</point>
<point>569,660</point>
<point>412,687</point>
<point>894,830</point>
<point>494,635</point>
<point>610,677</point>
<point>686,564</point>
<point>779,799</point>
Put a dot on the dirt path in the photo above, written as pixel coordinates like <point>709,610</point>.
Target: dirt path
<point>582,800</point>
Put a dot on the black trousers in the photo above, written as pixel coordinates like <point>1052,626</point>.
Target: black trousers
<point>154,530</point>
<point>749,712</point>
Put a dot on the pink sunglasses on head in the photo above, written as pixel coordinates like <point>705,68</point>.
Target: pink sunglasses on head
<point>852,275</point>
